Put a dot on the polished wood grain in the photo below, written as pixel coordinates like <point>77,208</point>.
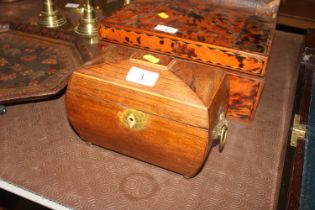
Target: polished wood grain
<point>182,109</point>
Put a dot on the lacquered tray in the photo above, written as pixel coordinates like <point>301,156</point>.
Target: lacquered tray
<point>35,62</point>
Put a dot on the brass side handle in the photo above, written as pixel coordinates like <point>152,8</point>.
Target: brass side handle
<point>223,134</point>
<point>220,131</point>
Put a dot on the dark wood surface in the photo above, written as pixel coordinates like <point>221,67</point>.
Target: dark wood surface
<point>299,14</point>
<point>293,170</point>
<point>10,201</point>
<point>296,176</point>
<point>306,97</point>
<point>310,39</point>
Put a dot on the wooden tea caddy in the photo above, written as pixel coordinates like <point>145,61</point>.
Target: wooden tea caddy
<point>149,106</point>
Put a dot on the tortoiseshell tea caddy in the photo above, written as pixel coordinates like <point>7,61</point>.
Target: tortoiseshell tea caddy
<point>234,35</point>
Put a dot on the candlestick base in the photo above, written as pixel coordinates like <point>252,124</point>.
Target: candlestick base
<point>50,17</point>
<point>88,23</point>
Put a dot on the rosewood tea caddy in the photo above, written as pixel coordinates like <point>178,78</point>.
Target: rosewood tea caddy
<point>149,106</point>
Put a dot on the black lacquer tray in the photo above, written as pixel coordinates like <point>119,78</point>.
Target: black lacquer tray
<point>35,62</point>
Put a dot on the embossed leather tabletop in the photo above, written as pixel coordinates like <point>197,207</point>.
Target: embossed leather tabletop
<point>41,153</point>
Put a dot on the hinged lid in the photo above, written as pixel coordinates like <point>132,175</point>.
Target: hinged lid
<point>156,84</point>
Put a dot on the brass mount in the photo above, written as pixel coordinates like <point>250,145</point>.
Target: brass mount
<point>220,131</point>
<point>298,131</point>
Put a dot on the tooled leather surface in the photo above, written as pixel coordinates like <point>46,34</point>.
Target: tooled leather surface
<point>41,153</point>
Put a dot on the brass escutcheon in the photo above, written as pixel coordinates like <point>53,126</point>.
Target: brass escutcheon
<point>133,119</point>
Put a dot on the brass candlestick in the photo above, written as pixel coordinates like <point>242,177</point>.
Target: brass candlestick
<point>127,2</point>
<point>87,25</point>
<point>50,17</point>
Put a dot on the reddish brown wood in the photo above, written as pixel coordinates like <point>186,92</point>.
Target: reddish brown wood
<point>296,176</point>
<point>182,109</point>
<point>304,105</point>
<point>310,38</point>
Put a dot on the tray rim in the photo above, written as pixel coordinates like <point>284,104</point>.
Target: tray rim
<point>70,39</point>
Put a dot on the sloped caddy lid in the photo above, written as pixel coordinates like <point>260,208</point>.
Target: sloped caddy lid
<point>175,89</point>
<point>35,62</point>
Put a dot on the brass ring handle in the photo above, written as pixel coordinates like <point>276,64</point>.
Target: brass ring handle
<point>223,134</point>
<point>220,131</point>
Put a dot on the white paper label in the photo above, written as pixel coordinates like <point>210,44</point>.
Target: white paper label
<point>166,29</point>
<point>4,27</point>
<point>141,76</point>
<point>72,5</point>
